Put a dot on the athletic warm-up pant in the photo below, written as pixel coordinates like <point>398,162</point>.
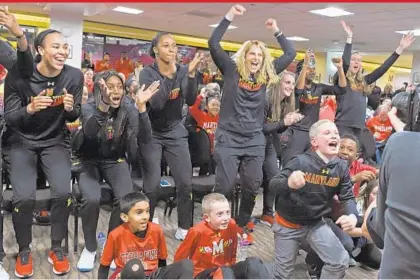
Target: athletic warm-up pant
<point>117,174</point>
<point>55,162</point>
<point>312,258</point>
<point>270,169</point>
<point>174,146</point>
<point>251,268</point>
<point>233,152</point>
<point>179,270</point>
<point>320,238</point>
<point>297,143</point>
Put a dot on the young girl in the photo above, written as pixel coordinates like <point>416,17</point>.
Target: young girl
<point>281,114</point>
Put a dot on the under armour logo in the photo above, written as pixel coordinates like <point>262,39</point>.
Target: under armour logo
<point>50,84</point>
<point>325,171</point>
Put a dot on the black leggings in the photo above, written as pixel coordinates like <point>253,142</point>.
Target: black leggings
<point>117,175</point>
<point>270,169</point>
<point>56,165</point>
<point>174,147</point>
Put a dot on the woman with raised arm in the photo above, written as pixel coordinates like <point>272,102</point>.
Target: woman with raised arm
<point>351,109</point>
<point>178,84</point>
<point>240,141</point>
<point>310,95</point>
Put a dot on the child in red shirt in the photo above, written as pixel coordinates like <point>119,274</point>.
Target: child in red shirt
<point>349,151</point>
<point>138,246</point>
<point>381,128</point>
<point>212,245</point>
<point>209,118</point>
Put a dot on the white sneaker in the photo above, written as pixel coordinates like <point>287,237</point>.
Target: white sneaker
<point>3,274</point>
<point>113,266</point>
<point>86,261</point>
<point>180,234</point>
<point>155,221</point>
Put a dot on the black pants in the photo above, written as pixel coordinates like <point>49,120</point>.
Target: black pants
<point>55,162</point>
<point>251,268</point>
<point>174,146</point>
<point>235,152</point>
<point>270,169</point>
<point>297,143</point>
<point>178,270</point>
<point>117,175</point>
<point>370,255</point>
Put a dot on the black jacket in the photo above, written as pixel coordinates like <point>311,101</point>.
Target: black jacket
<point>311,203</point>
<point>115,134</point>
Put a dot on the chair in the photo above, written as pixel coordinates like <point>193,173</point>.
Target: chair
<point>43,199</point>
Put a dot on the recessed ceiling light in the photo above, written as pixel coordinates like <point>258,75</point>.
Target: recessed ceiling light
<point>297,38</point>
<point>230,26</point>
<point>331,12</point>
<point>416,32</point>
<point>126,10</point>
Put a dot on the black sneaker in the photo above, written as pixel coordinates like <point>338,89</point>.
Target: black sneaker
<point>312,273</point>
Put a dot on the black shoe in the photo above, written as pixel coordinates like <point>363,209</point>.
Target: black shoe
<point>312,273</point>
<point>42,218</point>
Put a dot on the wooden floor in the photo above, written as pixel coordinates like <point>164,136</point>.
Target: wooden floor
<point>263,247</point>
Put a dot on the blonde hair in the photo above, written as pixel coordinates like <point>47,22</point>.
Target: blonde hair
<point>280,107</point>
<point>267,73</point>
<point>210,199</point>
<point>388,89</point>
<point>357,81</point>
<point>315,128</point>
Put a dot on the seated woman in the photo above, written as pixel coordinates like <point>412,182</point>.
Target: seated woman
<point>207,120</point>
<point>110,124</point>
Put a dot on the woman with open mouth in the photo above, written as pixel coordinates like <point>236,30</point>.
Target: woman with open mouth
<point>37,132</point>
<point>110,124</point>
<point>240,141</point>
<point>170,137</point>
<point>351,107</point>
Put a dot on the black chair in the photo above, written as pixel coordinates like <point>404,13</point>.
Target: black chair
<point>43,199</point>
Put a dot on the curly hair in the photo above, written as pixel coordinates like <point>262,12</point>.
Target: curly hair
<point>267,73</point>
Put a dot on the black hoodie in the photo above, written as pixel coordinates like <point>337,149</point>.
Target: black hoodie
<point>308,205</point>
<point>165,107</point>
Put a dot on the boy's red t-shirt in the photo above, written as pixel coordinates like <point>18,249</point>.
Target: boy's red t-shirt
<point>209,248</point>
<point>123,245</point>
<point>357,167</point>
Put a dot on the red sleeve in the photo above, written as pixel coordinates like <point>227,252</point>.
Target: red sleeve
<point>108,253</point>
<point>365,167</point>
<point>195,111</point>
<point>370,125</point>
<point>162,251</point>
<point>188,246</point>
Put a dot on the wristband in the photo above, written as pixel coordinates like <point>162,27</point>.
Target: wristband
<point>105,102</point>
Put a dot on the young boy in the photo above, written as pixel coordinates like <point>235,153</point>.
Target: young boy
<point>349,147</point>
<point>304,193</point>
<point>141,240</point>
<point>212,245</point>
